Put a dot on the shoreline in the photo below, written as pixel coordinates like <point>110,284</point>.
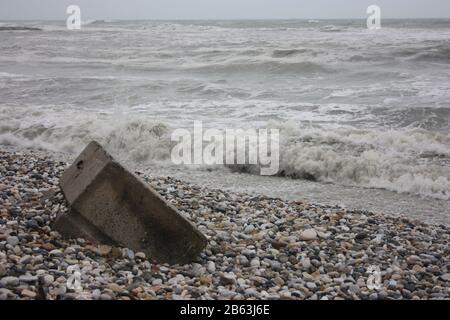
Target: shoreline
<point>429,210</point>
<point>259,247</point>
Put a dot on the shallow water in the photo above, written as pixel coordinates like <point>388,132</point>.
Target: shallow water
<point>374,200</point>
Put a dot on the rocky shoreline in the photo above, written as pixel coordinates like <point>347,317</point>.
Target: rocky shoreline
<point>259,248</point>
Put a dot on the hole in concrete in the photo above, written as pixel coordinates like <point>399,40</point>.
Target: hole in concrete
<point>80,164</point>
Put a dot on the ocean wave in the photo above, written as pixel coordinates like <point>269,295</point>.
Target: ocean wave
<point>275,67</point>
<point>132,139</point>
<point>88,22</point>
<point>282,53</point>
<point>439,54</point>
<point>96,22</point>
<point>19,28</point>
<point>412,161</point>
<point>372,159</point>
<point>330,28</point>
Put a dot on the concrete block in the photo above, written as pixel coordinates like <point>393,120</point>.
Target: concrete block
<point>110,205</point>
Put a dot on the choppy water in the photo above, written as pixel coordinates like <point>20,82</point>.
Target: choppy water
<point>357,109</point>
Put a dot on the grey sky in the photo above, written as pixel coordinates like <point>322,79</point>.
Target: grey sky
<point>220,9</point>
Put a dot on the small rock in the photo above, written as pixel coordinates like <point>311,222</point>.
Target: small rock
<point>373,296</point>
<point>205,280</point>
<point>211,267</point>
<point>243,261</point>
<point>5,293</point>
<point>306,263</point>
<point>9,281</point>
<point>32,224</point>
<point>48,279</point>
<point>308,235</point>
<point>105,296</point>
<point>361,236</point>
<point>13,241</point>
<point>446,277</point>
<point>255,263</point>
<point>28,293</point>
<point>279,244</point>
<point>56,253</point>
<point>279,281</point>
<point>96,294</point>
<point>275,265</point>
<point>228,279</point>
<point>28,279</point>
<point>127,253</point>
<point>116,288</point>
<point>249,229</point>
<point>141,255</point>
<point>413,259</point>
<point>311,285</point>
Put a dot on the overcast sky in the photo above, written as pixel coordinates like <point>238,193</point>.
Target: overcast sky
<point>220,9</point>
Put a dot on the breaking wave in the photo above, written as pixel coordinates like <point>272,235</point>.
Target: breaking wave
<point>392,160</point>
<point>366,158</point>
<point>131,139</point>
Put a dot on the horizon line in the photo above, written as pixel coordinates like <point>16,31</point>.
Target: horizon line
<point>233,19</point>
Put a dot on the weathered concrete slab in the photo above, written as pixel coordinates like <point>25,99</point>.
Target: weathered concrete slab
<point>74,225</point>
<point>111,205</point>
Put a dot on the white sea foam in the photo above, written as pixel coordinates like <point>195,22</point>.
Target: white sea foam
<point>368,158</point>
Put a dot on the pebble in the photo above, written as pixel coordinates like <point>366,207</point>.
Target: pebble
<point>48,279</point>
<point>446,277</point>
<point>279,281</point>
<point>9,281</point>
<point>127,253</point>
<point>259,247</point>
<point>275,265</point>
<point>256,263</point>
<point>32,224</point>
<point>413,259</point>
<point>243,261</point>
<point>28,293</point>
<point>141,255</point>
<point>105,296</point>
<point>116,288</point>
<point>13,240</point>
<point>308,235</point>
<point>28,279</point>
<point>56,253</point>
<point>228,279</point>
<point>249,229</point>
<point>211,267</point>
<point>306,263</point>
<point>311,285</point>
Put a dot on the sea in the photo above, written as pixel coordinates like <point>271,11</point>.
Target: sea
<point>363,115</point>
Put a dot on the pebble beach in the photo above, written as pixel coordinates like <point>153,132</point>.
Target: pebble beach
<point>258,247</point>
